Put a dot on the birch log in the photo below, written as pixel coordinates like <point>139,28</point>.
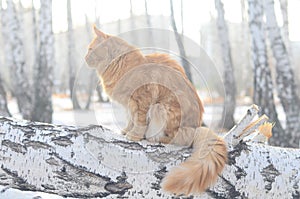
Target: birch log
<point>95,162</point>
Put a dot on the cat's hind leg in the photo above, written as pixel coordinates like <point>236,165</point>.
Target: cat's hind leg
<point>157,121</point>
<point>138,115</point>
<point>128,127</point>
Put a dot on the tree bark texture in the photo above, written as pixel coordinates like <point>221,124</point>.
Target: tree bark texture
<point>263,86</point>
<point>229,79</point>
<point>42,109</point>
<point>180,45</point>
<point>95,162</point>
<point>16,59</point>
<point>285,80</point>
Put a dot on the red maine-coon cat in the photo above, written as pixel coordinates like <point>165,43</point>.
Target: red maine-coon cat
<point>163,106</point>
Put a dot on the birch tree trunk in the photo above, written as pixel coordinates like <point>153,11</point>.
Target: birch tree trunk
<point>71,59</point>
<point>35,36</point>
<point>95,162</point>
<point>93,77</point>
<point>229,79</point>
<point>285,26</point>
<point>149,25</point>
<point>42,109</point>
<point>97,13</point>
<point>132,21</point>
<point>3,102</point>
<point>246,54</point>
<point>91,73</point>
<point>147,14</point>
<point>181,17</point>
<point>285,80</point>
<point>15,59</point>
<point>263,86</point>
<point>180,45</point>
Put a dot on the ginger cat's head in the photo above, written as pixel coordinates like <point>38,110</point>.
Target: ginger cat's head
<point>103,49</point>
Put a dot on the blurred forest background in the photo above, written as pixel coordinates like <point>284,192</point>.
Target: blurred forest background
<point>239,52</point>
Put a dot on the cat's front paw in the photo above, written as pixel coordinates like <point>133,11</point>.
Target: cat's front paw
<point>133,137</point>
<point>124,131</point>
<point>127,129</point>
<point>137,133</point>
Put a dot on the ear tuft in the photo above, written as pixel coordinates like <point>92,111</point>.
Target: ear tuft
<point>98,32</point>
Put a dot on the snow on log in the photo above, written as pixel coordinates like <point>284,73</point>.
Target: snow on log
<point>95,162</point>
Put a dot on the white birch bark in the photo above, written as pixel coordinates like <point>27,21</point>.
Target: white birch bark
<point>42,109</point>
<point>285,79</point>
<point>229,79</point>
<point>15,59</point>
<point>263,86</point>
<point>95,162</point>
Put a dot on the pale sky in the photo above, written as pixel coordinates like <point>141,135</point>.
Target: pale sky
<point>196,12</point>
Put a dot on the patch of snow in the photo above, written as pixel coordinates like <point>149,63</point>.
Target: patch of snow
<point>17,194</point>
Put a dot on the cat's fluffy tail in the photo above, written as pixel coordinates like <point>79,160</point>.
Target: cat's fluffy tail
<point>200,170</point>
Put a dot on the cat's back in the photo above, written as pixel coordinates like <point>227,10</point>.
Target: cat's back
<point>166,60</point>
<point>178,83</point>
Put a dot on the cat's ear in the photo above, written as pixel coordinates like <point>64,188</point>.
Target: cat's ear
<point>99,33</point>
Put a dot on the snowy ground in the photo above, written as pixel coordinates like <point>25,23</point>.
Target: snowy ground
<point>107,114</point>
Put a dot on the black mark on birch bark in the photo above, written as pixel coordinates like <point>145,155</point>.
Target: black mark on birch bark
<point>236,152</point>
<point>16,147</point>
<point>120,187</point>
<point>239,173</point>
<point>269,174</point>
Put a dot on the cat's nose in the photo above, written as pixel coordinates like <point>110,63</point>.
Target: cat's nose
<point>86,58</point>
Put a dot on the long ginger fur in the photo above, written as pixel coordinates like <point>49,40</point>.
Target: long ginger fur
<point>202,168</point>
<point>164,107</point>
